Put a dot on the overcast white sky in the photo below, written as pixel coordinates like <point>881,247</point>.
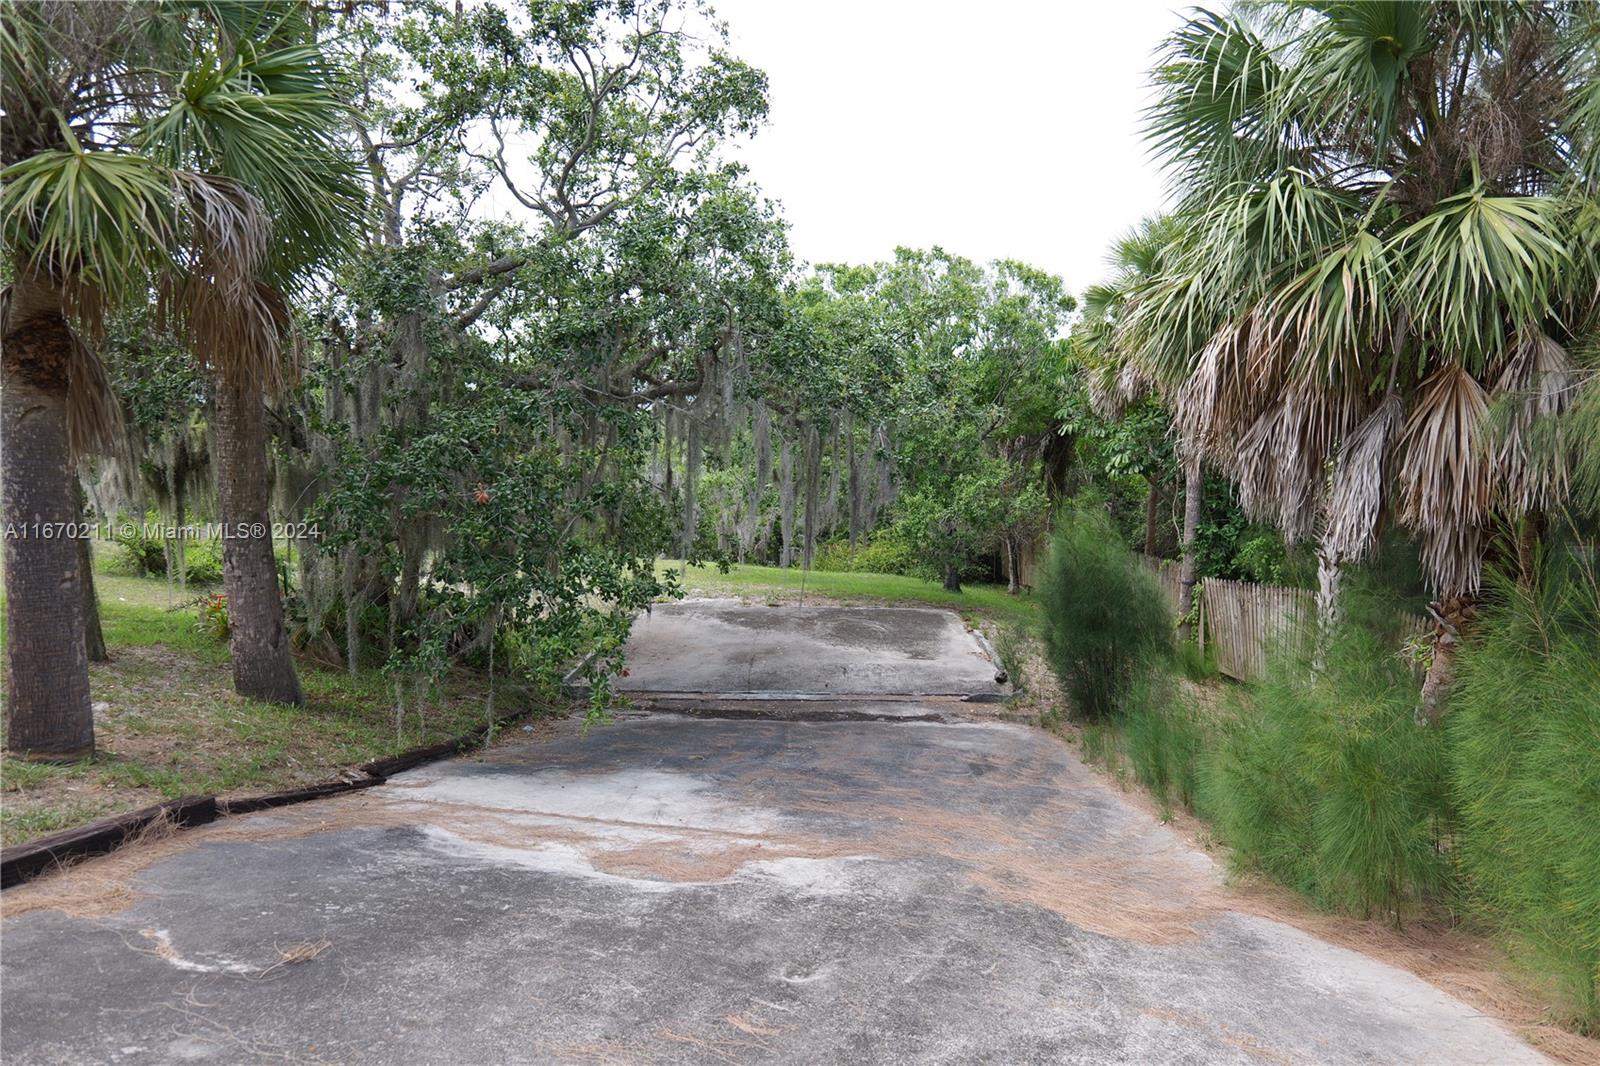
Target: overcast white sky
<point>1001,128</point>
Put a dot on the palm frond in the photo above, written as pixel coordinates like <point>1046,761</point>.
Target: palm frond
<point>1355,503</point>
<point>1213,113</point>
<point>1537,383</point>
<point>1445,478</point>
<point>1479,268</point>
<point>102,222</point>
<point>271,120</point>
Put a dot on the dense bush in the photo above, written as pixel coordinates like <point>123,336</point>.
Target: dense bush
<point>1106,621</point>
<point>143,554</point>
<point>1322,780</point>
<point>1524,733</point>
<point>883,553</point>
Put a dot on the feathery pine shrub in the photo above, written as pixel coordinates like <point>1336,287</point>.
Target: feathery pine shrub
<point>1106,621</point>
<point>1322,780</point>
<point>1164,737</point>
<point>1524,729</point>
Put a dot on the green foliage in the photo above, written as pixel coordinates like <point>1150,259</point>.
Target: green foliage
<point>211,617</point>
<point>141,553</point>
<point>1322,780</point>
<point>1106,619</point>
<point>1163,735</point>
<point>884,552</point>
<point>1524,730</point>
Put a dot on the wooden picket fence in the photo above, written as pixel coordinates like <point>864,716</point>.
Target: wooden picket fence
<point>1243,622</point>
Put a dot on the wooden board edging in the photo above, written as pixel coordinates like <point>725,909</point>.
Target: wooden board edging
<point>23,862</point>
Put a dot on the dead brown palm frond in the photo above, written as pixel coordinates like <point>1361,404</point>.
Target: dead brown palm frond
<point>1355,503</point>
<point>94,417</point>
<point>1278,465</point>
<point>244,340</point>
<point>1445,477</point>
<point>1219,400</point>
<point>230,232</point>
<point>1538,381</point>
<point>1131,382</point>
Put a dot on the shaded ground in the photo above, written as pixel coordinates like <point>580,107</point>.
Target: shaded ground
<point>667,889</point>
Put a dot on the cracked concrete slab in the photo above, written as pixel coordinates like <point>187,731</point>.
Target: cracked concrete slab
<point>674,890</point>
<point>721,648</point>
<point>679,889</point>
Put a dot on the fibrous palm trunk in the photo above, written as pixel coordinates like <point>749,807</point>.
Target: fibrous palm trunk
<point>1192,488</point>
<point>262,666</point>
<point>48,715</point>
<point>1450,616</point>
<point>1152,517</point>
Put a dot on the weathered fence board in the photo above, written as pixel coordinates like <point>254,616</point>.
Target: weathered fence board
<point>1167,575</point>
<point>1244,622</point>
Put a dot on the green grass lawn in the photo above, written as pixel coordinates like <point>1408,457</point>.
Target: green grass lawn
<point>168,722</point>
<point>774,585</point>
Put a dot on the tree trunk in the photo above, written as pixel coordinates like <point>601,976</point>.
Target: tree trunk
<point>262,666</point>
<point>48,715</point>
<point>94,640</point>
<point>1013,546</point>
<point>952,578</point>
<point>1152,517</point>
<point>1529,532</point>
<point>1449,616</point>
<point>812,523</point>
<point>1330,578</point>
<point>1192,489</point>
<point>786,500</point>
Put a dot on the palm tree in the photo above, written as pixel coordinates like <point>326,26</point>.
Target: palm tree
<point>1139,261</point>
<point>1388,227</point>
<point>104,203</point>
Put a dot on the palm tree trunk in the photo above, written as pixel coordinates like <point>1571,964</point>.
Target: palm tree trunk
<point>262,666</point>
<point>1192,489</point>
<point>48,715</point>
<point>1152,516</point>
<point>1449,616</point>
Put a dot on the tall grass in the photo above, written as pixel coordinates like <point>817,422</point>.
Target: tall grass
<point>1524,732</point>
<point>1164,734</point>
<point>1106,621</point>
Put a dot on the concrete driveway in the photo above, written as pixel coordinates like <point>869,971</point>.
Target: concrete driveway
<point>679,889</point>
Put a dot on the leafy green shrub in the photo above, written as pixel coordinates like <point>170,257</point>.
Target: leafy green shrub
<point>141,554</point>
<point>1524,727</point>
<point>202,561</point>
<point>883,553</point>
<point>1323,781</point>
<point>144,554</point>
<point>1105,619</point>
